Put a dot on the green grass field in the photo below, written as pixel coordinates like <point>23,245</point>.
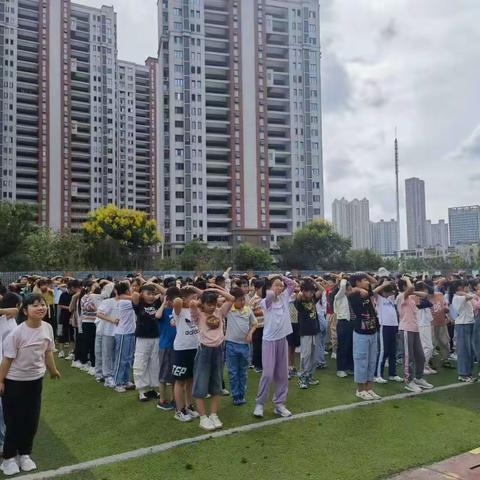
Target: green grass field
<point>82,420</point>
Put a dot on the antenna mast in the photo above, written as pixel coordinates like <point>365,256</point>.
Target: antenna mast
<point>397,192</point>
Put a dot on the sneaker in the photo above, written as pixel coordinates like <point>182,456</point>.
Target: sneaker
<point>84,367</point>
<point>429,371</point>
<point>363,395</point>
<point>109,382</point>
<point>99,379</point>
<point>182,416</point>
<point>225,392</point>
<point>91,371</point>
<point>292,372</point>
<point>120,389</point>
<point>153,394</point>
<point>453,357</point>
<point>26,464</point>
<point>206,423</point>
<point>239,401</point>
<point>258,412</point>
<point>313,381</point>
<point>374,395</point>
<point>465,379</point>
<point>10,467</point>
<point>342,374</point>
<point>333,356</point>
<point>396,378</point>
<point>215,420</point>
<point>322,366</point>
<point>251,367</point>
<point>422,383</point>
<point>380,380</point>
<point>165,405</point>
<point>257,370</point>
<point>448,364</point>
<point>130,386</point>
<point>76,364</point>
<point>413,387</point>
<point>143,397</point>
<point>350,372</point>
<point>191,411</point>
<point>282,411</point>
<point>70,356</point>
<point>61,354</point>
<point>302,384</point>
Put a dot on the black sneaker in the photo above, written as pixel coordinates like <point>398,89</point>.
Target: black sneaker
<point>152,394</point>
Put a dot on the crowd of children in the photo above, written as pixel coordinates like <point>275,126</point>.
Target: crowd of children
<point>169,339</point>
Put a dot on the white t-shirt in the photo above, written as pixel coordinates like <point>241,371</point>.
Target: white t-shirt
<point>127,317</point>
<point>276,319</point>
<point>27,346</point>
<point>464,309</point>
<point>387,312</point>
<point>424,317</point>
<point>187,331</point>
<point>6,326</point>
<point>108,308</point>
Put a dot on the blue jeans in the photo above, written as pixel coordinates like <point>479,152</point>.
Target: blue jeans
<point>476,337</point>
<point>364,356</point>
<point>465,348</point>
<point>2,426</point>
<point>237,363</point>
<point>124,350</point>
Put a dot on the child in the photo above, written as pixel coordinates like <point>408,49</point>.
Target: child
<point>241,325</point>
<point>64,314</point>
<point>441,338</point>
<point>208,369</point>
<point>277,326</point>
<point>425,318</point>
<point>341,310</point>
<point>388,320</point>
<point>330,284</point>
<point>257,337</point>
<point>167,334</point>
<point>309,328</point>
<point>414,358</point>
<point>461,301</point>
<point>28,352</point>
<point>185,348</point>
<point>365,334</point>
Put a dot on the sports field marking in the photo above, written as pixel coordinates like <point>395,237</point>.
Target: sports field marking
<point>162,447</point>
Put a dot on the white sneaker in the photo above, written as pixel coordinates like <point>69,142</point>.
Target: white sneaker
<point>61,354</point>
<point>84,367</point>
<point>333,356</point>
<point>282,411</point>
<point>374,395</point>
<point>466,379</point>
<point>10,467</point>
<point>26,463</point>
<point>422,383</point>
<point>225,392</point>
<point>76,364</point>
<point>109,382</point>
<point>120,389</point>
<point>453,356</point>
<point>193,413</point>
<point>70,356</point>
<point>91,371</point>
<point>363,395</point>
<point>429,371</point>
<point>215,420</point>
<point>258,412</point>
<point>182,417</point>
<point>380,380</point>
<point>342,374</point>
<point>206,423</point>
<point>413,387</point>
<point>396,378</point>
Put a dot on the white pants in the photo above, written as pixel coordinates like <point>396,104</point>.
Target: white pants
<point>146,368</point>
<point>427,342</point>
<point>309,349</point>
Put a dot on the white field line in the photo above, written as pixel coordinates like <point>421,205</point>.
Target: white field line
<point>162,447</point>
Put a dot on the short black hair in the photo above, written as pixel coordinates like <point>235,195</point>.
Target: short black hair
<point>148,287</point>
<point>122,287</point>
<point>357,277</point>
<point>11,300</point>
<point>208,298</point>
<point>172,293</point>
<point>237,293</point>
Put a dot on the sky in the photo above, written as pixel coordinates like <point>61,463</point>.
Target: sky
<point>406,64</point>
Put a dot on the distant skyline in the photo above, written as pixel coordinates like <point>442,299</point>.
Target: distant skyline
<point>406,63</point>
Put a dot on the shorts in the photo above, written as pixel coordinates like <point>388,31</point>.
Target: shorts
<point>165,357</point>
<point>183,362</point>
<point>294,338</point>
<point>208,371</point>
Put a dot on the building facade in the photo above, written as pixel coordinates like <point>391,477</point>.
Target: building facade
<point>242,122</point>
<point>437,234</point>
<point>385,237</point>
<point>416,212</point>
<point>352,220</point>
<point>60,113</point>
<point>464,224</point>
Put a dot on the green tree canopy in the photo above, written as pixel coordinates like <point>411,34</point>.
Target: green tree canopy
<point>252,257</point>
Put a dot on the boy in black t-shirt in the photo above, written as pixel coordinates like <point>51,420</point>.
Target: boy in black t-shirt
<point>309,327</point>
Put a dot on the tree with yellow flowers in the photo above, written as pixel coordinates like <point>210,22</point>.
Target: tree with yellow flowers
<point>129,230</point>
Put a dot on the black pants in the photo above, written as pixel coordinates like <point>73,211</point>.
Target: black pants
<point>257,348</point>
<point>87,345</point>
<point>21,404</point>
<point>387,338</point>
<point>344,345</point>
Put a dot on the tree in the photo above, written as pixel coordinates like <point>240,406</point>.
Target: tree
<point>364,260</point>
<point>17,221</point>
<point>251,257</point>
<point>121,228</point>
<point>314,246</point>
<point>194,256</point>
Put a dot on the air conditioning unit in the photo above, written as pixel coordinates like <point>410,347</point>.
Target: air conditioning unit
<point>269,24</point>
<point>270,77</point>
<point>271,158</point>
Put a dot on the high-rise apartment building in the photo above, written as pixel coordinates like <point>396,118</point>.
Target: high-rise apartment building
<point>352,220</point>
<point>242,119</point>
<point>437,234</point>
<point>385,237</point>
<point>416,212</point>
<point>464,224</point>
<point>60,113</point>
